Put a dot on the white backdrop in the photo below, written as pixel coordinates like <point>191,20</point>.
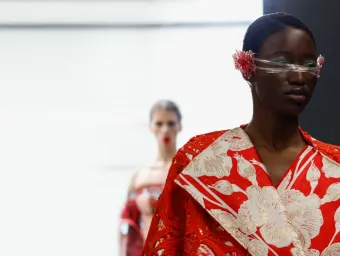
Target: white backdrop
<point>73,123</point>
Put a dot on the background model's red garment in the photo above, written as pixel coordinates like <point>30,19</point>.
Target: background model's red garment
<point>131,238</point>
<point>219,200</point>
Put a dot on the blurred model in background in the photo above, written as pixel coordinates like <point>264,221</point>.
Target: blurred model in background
<point>147,183</point>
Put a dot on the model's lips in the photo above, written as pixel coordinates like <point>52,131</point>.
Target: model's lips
<point>298,98</point>
<point>166,139</point>
<point>299,95</point>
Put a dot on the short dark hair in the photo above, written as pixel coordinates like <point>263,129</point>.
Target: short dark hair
<point>167,105</point>
<point>268,25</point>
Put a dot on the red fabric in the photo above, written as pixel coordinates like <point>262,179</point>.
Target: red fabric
<point>130,216</point>
<point>134,240</point>
<point>219,200</point>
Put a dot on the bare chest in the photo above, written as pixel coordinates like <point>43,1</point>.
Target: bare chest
<point>151,176</point>
<point>279,163</point>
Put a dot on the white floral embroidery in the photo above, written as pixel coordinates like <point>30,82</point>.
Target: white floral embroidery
<point>237,140</point>
<point>330,168</point>
<point>246,169</point>
<point>304,214</point>
<point>263,210</point>
<point>230,223</point>
<point>257,247</point>
<point>297,252</point>
<point>332,193</point>
<point>337,224</point>
<point>204,250</point>
<point>229,243</point>
<point>228,220</point>
<point>332,250</point>
<point>313,252</point>
<point>212,162</point>
<point>223,186</point>
<point>313,175</point>
<point>241,238</point>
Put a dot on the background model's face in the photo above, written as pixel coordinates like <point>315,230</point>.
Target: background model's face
<point>165,125</point>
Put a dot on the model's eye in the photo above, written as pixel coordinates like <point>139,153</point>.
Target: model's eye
<point>280,60</point>
<point>171,123</point>
<point>310,64</point>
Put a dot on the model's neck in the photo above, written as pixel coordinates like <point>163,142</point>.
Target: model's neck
<point>274,131</point>
<point>166,153</point>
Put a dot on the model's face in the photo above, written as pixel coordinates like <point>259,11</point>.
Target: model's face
<point>286,92</point>
<point>165,125</point>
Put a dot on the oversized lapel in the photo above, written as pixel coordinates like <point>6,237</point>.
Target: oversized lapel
<point>228,180</point>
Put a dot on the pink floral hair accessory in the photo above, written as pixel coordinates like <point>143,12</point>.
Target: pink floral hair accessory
<point>319,64</point>
<point>320,61</point>
<point>245,62</point>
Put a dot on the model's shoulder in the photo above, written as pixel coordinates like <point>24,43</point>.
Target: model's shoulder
<point>200,142</point>
<point>330,150</point>
<point>191,149</point>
